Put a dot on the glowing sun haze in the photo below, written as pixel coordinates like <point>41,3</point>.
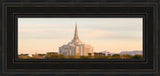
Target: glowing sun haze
<point>114,35</point>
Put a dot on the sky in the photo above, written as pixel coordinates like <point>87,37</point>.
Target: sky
<point>41,35</point>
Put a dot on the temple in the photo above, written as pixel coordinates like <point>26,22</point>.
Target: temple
<point>76,47</point>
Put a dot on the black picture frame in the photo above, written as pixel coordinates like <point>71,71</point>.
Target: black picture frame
<point>148,10</point>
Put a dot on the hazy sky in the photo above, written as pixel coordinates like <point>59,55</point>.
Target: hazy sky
<point>43,35</point>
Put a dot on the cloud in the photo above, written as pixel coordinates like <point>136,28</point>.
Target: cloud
<point>28,31</point>
<point>91,33</point>
<point>44,31</point>
<point>40,26</point>
<point>62,33</point>
<point>48,33</point>
<point>107,34</point>
<point>52,33</point>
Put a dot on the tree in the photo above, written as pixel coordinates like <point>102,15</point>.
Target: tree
<point>85,57</point>
<point>137,56</point>
<point>51,56</point>
<point>54,56</point>
<point>126,56</point>
<point>100,57</point>
<point>109,56</point>
<point>71,57</point>
<point>89,54</point>
<point>116,56</point>
<point>24,57</point>
<point>61,56</point>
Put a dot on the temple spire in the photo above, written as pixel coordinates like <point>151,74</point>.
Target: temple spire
<point>76,38</point>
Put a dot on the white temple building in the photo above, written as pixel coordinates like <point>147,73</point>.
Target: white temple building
<point>76,47</point>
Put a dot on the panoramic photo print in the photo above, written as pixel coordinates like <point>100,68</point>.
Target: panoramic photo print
<point>80,38</point>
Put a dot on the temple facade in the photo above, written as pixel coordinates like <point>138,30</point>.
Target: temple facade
<point>76,47</point>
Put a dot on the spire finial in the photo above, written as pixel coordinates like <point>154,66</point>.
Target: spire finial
<point>76,38</point>
<point>76,23</point>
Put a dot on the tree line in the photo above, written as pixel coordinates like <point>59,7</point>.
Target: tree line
<point>60,56</point>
